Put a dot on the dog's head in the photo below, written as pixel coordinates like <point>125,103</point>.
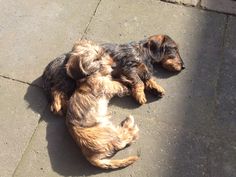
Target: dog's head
<point>164,50</point>
<point>85,59</point>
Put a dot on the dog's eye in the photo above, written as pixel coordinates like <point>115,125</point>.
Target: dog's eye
<point>175,48</point>
<point>172,48</point>
<point>97,59</point>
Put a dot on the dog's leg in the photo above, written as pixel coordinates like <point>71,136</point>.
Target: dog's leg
<point>151,84</point>
<point>141,75</point>
<point>105,163</point>
<point>128,131</point>
<point>138,92</point>
<point>132,79</point>
<point>59,103</point>
<point>116,88</point>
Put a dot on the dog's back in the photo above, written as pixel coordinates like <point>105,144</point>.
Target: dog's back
<point>54,76</point>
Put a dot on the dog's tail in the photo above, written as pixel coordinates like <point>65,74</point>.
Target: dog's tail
<point>113,164</point>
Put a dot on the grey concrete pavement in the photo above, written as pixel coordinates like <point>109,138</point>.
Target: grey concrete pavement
<point>221,6</point>
<point>227,6</point>
<point>226,90</point>
<point>185,2</point>
<point>18,122</point>
<point>223,160</point>
<point>33,32</point>
<point>189,132</point>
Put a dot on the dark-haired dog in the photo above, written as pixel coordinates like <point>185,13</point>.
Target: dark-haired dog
<point>133,65</point>
<point>134,62</point>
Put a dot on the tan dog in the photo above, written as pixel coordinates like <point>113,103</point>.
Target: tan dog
<point>88,121</point>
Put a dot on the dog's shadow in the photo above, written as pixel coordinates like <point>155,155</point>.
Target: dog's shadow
<point>65,157</point>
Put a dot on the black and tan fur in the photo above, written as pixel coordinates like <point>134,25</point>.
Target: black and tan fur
<point>60,75</point>
<point>88,121</point>
<point>128,57</point>
<point>133,65</point>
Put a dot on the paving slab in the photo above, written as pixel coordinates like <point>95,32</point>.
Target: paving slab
<point>186,2</point>
<point>18,121</point>
<point>176,131</point>
<point>222,158</point>
<point>226,95</point>
<point>227,6</point>
<point>190,95</point>
<point>52,152</point>
<point>32,33</point>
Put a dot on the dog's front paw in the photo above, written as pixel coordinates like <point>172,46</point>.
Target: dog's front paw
<point>138,93</point>
<point>160,91</point>
<point>156,88</point>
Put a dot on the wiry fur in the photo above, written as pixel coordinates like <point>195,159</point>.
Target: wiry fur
<point>57,84</point>
<point>60,74</point>
<point>88,121</point>
<point>132,64</point>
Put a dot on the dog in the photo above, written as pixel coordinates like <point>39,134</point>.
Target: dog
<point>133,64</point>
<point>57,76</point>
<point>88,121</point>
<point>128,57</point>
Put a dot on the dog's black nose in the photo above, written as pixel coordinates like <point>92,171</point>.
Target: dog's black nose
<point>183,66</point>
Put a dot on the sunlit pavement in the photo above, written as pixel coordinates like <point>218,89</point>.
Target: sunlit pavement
<point>189,132</point>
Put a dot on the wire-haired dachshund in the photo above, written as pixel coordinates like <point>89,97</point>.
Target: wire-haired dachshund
<point>133,65</point>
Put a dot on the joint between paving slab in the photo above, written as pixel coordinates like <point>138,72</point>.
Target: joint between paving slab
<point>29,142</point>
<point>179,3</point>
<point>27,147</point>
<point>208,170</point>
<point>90,20</point>
<point>198,6</point>
<point>222,51</point>
<point>220,64</point>
<point>19,81</point>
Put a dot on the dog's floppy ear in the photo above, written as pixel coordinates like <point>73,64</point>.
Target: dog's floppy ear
<point>74,68</point>
<point>154,48</point>
<point>168,42</point>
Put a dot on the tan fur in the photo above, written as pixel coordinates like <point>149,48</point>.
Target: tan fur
<point>159,38</point>
<point>172,64</point>
<point>132,64</point>
<point>59,102</point>
<point>152,85</point>
<point>88,121</point>
<point>138,93</point>
<point>81,62</point>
